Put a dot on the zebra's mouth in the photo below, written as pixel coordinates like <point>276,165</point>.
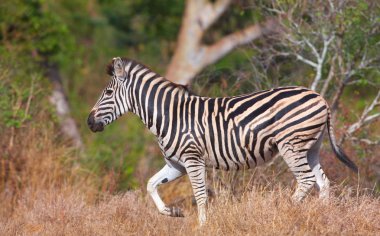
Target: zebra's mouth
<point>97,127</point>
<point>93,125</point>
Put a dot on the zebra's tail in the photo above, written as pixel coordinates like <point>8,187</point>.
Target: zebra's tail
<point>337,150</point>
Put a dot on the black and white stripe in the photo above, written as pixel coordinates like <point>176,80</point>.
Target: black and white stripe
<point>230,133</point>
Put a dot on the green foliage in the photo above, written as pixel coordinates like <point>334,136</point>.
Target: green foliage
<point>160,20</point>
<point>31,36</point>
<point>21,92</point>
<point>356,22</point>
<point>34,31</point>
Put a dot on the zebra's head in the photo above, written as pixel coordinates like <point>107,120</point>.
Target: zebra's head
<point>111,103</point>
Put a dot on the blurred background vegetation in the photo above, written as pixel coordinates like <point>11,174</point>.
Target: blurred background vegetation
<point>68,43</point>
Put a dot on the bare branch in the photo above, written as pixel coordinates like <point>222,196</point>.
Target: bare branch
<point>211,12</point>
<point>320,59</point>
<point>313,49</point>
<point>365,118</point>
<point>366,141</point>
<point>318,75</point>
<point>305,42</point>
<point>374,103</point>
<point>226,44</point>
<point>371,118</point>
<point>306,61</point>
<point>295,42</point>
<point>330,76</point>
<point>332,7</point>
<point>366,63</point>
<point>326,43</point>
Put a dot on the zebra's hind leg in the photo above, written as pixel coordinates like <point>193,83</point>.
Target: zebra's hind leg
<point>297,161</point>
<point>165,175</point>
<point>323,182</point>
<point>197,174</point>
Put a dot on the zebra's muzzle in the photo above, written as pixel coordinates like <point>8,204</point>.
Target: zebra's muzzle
<point>93,125</point>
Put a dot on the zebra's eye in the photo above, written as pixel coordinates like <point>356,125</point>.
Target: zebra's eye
<point>109,92</point>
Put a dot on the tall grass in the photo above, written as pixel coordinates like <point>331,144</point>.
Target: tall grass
<point>38,161</point>
<point>259,212</point>
<point>46,192</point>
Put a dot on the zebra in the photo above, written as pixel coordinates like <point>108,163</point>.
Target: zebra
<point>229,133</point>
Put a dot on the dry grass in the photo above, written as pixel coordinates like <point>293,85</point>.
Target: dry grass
<point>53,212</point>
<point>36,161</point>
<point>45,192</point>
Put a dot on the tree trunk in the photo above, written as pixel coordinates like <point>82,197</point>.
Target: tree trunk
<point>59,101</point>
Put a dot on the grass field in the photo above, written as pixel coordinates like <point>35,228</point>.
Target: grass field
<point>58,212</point>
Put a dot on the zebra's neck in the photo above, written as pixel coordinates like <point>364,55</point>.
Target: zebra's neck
<point>155,100</point>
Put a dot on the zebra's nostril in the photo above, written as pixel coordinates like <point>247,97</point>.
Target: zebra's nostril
<point>91,119</point>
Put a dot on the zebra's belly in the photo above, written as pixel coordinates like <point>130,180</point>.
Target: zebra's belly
<point>240,161</point>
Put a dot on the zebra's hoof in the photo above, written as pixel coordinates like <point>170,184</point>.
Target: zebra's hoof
<point>176,212</point>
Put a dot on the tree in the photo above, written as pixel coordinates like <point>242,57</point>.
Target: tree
<point>192,55</point>
<point>337,40</point>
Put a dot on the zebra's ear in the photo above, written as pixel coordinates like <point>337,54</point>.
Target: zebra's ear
<point>118,67</point>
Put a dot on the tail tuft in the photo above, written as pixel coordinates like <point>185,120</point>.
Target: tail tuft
<point>343,158</point>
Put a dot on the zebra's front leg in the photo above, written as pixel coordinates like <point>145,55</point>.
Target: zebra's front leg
<point>165,175</point>
<point>197,175</point>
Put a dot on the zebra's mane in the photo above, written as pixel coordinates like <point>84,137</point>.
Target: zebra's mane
<point>111,70</point>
